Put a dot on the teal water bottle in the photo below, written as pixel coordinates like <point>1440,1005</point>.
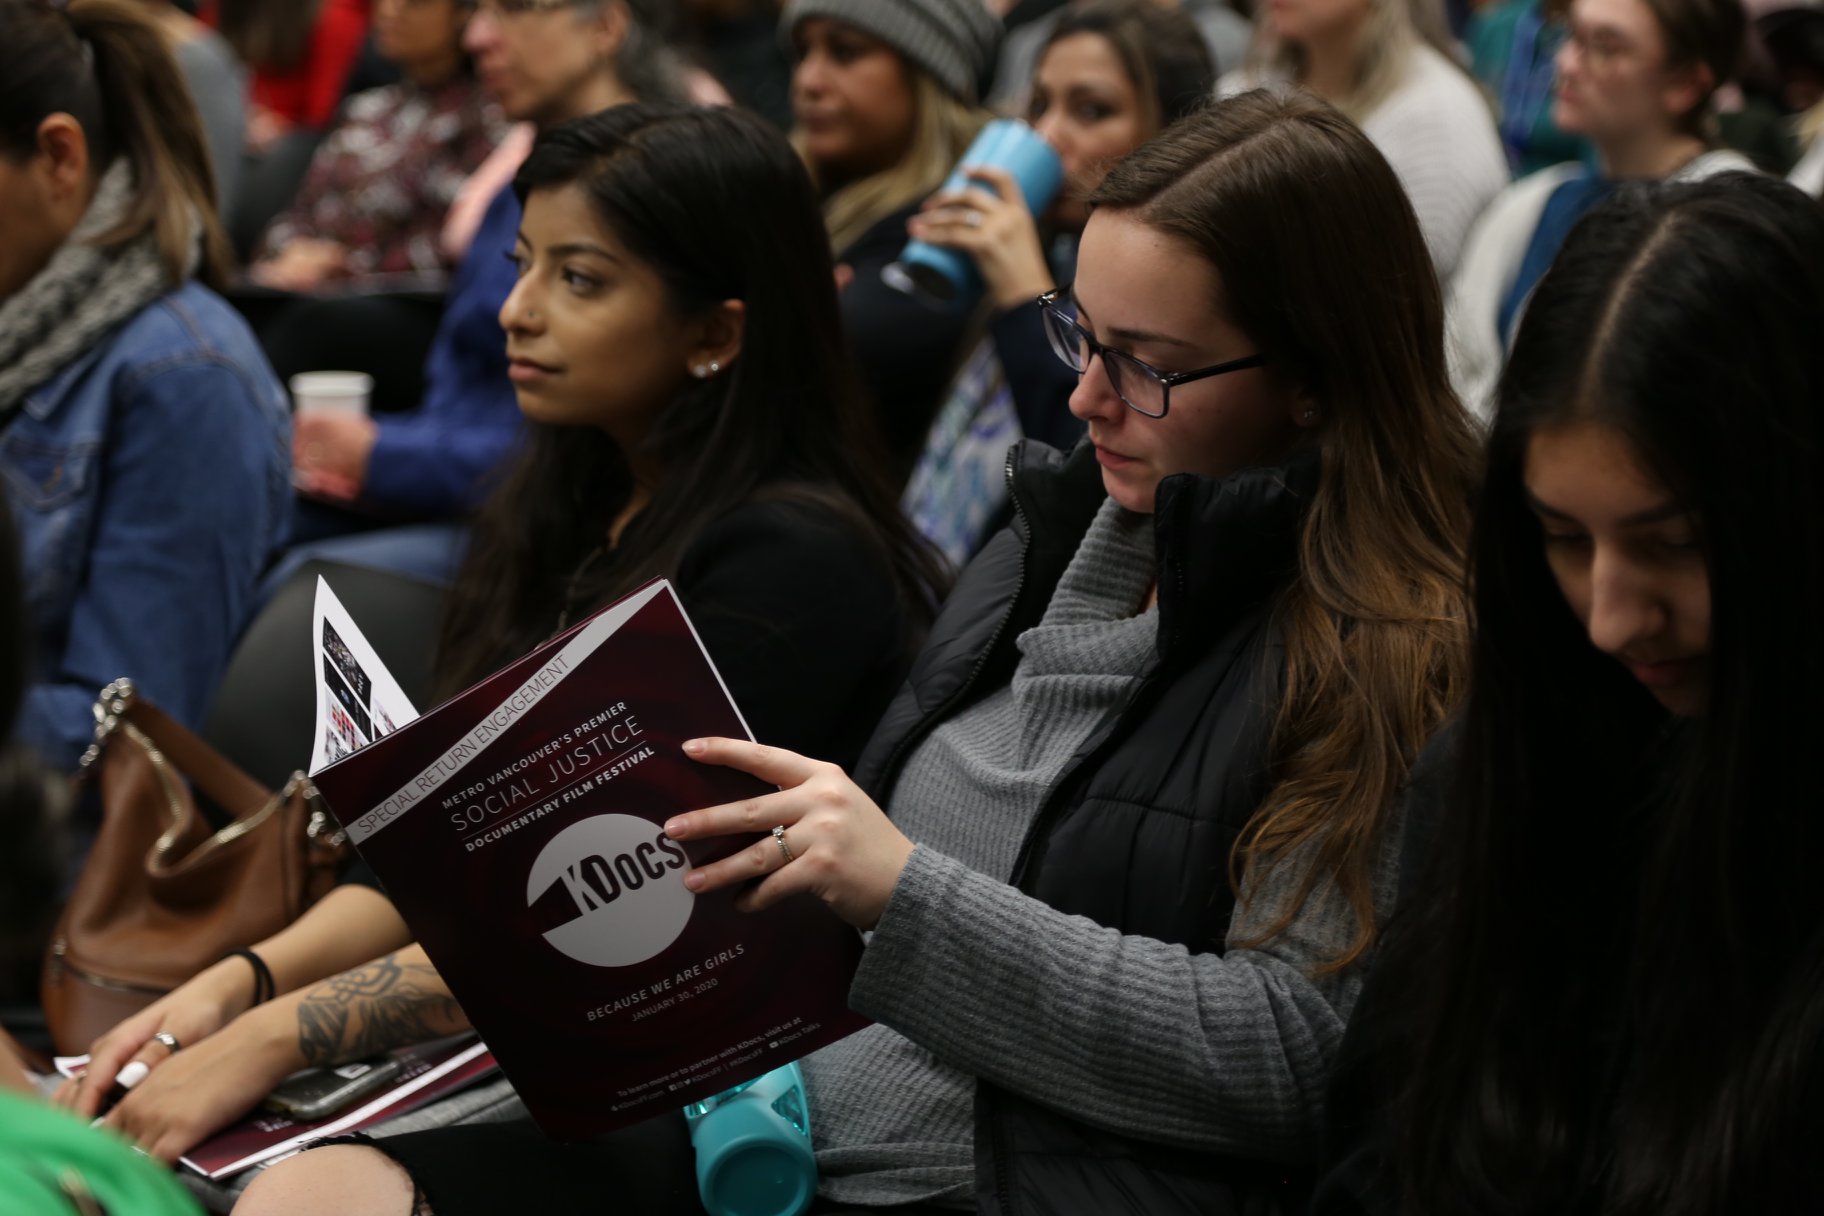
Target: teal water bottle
<point>753,1146</point>
<point>946,279</point>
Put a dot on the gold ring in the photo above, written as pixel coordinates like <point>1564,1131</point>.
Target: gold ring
<point>785,849</point>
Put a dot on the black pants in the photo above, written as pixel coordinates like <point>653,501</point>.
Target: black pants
<point>486,1168</point>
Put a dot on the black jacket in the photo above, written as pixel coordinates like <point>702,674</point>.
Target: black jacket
<point>1137,833</point>
<point>907,351</point>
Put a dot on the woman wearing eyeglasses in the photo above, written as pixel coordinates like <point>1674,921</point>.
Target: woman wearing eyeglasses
<point>1635,77</point>
<point>1212,642</point>
<point>1123,841</point>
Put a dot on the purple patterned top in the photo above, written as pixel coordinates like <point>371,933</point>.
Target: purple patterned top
<point>383,178</point>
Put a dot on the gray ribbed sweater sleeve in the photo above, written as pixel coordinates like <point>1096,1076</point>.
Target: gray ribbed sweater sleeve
<point>1228,1053</point>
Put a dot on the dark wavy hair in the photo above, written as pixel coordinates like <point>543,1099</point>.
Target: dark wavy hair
<point>1161,49</point>
<point>1707,33</point>
<point>718,204</point>
<point>1611,996</point>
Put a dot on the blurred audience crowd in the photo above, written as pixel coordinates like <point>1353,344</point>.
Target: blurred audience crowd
<point>1249,599</point>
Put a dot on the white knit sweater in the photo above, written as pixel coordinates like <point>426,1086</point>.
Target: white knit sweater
<point>1491,261</point>
<point>1438,133</point>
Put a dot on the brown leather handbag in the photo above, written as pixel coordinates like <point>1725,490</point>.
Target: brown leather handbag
<point>163,894</point>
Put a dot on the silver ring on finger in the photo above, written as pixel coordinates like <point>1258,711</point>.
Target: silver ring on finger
<point>972,218</point>
<point>169,1040</point>
<point>785,850</point>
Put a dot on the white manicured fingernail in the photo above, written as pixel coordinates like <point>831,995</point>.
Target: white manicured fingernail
<point>132,1074</point>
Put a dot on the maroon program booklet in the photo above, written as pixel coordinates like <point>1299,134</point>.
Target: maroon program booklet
<point>517,829</point>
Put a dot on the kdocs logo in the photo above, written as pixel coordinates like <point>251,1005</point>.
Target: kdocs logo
<point>612,888</point>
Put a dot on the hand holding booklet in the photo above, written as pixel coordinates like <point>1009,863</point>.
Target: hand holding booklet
<point>517,829</point>
<point>426,1072</point>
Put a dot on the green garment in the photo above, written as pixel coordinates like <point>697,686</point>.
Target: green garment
<point>54,1164</point>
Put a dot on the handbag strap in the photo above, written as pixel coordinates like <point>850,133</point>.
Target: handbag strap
<point>167,744</point>
<point>219,778</point>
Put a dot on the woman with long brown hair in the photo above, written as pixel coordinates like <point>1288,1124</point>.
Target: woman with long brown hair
<point>1217,633</point>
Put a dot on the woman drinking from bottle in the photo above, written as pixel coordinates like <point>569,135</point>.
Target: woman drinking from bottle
<point>885,98</point>
<point>1111,75</point>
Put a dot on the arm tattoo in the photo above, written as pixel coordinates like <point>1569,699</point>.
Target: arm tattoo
<point>375,1008</point>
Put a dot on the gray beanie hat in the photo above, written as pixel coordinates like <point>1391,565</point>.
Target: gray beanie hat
<point>956,41</point>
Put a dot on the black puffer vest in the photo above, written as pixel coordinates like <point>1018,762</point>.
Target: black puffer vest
<point>1136,834</point>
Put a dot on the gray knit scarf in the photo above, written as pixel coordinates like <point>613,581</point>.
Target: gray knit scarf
<point>81,294</point>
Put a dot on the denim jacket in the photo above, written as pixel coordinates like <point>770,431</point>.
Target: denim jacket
<point>149,481</point>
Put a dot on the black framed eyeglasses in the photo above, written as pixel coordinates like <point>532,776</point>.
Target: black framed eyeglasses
<point>1142,387</point>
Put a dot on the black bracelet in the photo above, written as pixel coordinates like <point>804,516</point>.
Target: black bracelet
<point>263,988</point>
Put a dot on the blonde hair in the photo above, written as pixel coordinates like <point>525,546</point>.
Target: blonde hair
<point>941,133</point>
<point>1811,124</point>
<point>1382,59</point>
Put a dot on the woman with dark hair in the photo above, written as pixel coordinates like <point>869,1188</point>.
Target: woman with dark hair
<point>1634,77</point>
<point>1606,995</point>
<point>675,345</point>
<point>437,451</point>
<point>547,65</point>
<point>1111,75</point>
<point>142,434</point>
<point>1215,637</point>
<point>1223,29</point>
<point>691,416</point>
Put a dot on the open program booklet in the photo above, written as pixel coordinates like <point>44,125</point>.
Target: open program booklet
<point>517,829</point>
<point>430,1071</point>
<point>358,700</point>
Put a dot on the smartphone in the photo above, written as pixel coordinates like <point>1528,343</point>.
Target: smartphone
<point>318,1093</point>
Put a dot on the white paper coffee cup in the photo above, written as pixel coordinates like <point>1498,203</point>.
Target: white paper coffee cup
<point>332,391</point>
